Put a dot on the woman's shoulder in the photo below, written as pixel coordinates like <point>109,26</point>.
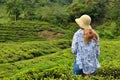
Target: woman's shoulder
<point>79,32</point>
<point>95,42</point>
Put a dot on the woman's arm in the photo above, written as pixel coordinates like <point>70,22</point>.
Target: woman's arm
<point>97,49</point>
<point>74,44</point>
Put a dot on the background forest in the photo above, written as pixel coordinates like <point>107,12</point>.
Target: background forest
<point>36,35</point>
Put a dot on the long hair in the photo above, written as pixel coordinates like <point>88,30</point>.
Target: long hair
<point>90,34</point>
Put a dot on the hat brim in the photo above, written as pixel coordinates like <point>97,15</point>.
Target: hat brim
<point>82,25</point>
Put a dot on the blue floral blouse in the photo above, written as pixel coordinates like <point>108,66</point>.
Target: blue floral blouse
<point>86,54</point>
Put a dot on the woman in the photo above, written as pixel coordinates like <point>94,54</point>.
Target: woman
<point>85,46</point>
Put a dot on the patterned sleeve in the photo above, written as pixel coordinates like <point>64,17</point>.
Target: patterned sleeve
<point>74,44</point>
<point>97,49</point>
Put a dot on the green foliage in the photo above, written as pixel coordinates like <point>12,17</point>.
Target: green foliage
<point>28,50</point>
<point>51,60</point>
<point>63,12</point>
<point>3,15</point>
<point>59,64</point>
<point>39,63</point>
<point>75,10</point>
<point>96,9</point>
<point>2,1</point>
<point>13,8</point>
<point>25,56</point>
<point>55,14</point>
<point>71,28</point>
<point>28,10</point>
<point>109,30</point>
<point>113,11</point>
<point>20,9</point>
<point>28,31</point>
<point>62,2</point>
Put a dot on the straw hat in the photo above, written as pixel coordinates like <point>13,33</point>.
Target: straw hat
<point>84,21</point>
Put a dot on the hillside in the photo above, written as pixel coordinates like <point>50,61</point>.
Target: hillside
<point>54,63</point>
<point>30,31</point>
<point>36,35</point>
<point>104,14</point>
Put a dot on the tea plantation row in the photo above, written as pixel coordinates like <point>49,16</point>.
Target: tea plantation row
<point>58,65</point>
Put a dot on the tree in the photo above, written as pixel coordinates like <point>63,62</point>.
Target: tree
<point>28,9</point>
<point>2,1</point>
<point>21,9</point>
<point>13,8</point>
<point>113,11</point>
<point>96,9</point>
<point>75,10</point>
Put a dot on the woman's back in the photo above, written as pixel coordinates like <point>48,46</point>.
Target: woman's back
<point>86,53</point>
<point>85,46</point>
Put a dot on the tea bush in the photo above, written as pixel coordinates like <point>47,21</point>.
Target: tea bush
<point>39,63</point>
<point>21,51</point>
<point>58,66</point>
<point>27,31</point>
